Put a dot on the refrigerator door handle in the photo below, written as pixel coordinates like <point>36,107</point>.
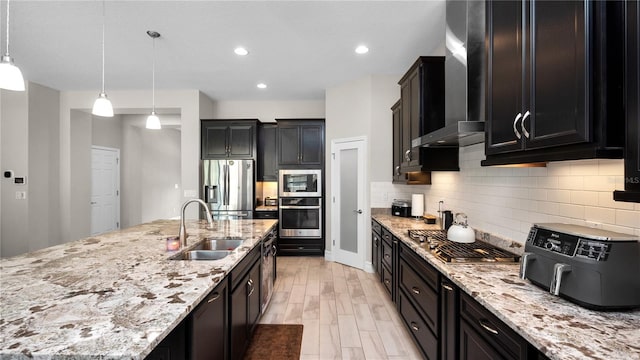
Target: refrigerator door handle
<point>225,173</point>
<point>228,185</point>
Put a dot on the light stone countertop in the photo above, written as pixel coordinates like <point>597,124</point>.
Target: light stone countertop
<point>113,296</point>
<point>266,208</point>
<point>558,328</point>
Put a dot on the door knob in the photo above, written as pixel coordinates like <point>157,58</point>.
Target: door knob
<point>359,211</point>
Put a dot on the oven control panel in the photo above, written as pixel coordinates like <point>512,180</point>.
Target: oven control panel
<point>568,245</point>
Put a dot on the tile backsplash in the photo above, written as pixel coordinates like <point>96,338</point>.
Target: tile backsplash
<point>507,201</point>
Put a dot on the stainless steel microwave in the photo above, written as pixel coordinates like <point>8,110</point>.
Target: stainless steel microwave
<point>300,183</point>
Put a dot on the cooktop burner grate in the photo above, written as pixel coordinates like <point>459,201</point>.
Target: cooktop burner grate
<point>450,251</point>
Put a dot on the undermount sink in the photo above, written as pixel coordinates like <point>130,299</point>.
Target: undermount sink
<point>229,243</point>
<point>201,255</point>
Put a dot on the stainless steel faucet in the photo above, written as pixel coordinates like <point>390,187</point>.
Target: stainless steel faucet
<point>183,230</point>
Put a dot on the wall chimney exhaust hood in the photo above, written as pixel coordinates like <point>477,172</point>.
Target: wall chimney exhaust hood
<point>464,77</point>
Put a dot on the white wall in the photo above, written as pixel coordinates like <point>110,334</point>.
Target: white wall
<point>107,132</point>
<point>507,201</point>
<point>268,111</point>
<point>28,142</point>
<point>361,108</point>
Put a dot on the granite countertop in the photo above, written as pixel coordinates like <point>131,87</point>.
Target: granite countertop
<point>556,327</point>
<point>266,208</point>
<point>113,296</point>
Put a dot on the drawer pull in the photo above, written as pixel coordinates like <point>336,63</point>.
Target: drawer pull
<point>415,326</point>
<point>386,281</point>
<point>447,287</point>
<point>215,297</point>
<point>415,290</point>
<point>387,256</point>
<point>485,324</point>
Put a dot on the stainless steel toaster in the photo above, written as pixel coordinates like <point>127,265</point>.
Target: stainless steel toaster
<point>594,268</point>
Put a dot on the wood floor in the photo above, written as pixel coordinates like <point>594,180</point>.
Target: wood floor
<point>346,312</point>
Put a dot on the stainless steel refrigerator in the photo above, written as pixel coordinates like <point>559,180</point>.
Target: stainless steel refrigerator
<point>227,187</point>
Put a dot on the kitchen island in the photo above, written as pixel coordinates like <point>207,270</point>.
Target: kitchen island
<point>558,328</point>
<point>113,296</point>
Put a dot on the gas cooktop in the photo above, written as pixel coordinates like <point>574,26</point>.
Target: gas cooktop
<point>450,251</point>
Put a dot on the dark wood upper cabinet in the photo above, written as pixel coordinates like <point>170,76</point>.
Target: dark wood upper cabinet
<point>396,111</point>
<point>632,95</point>
<point>553,81</point>
<point>222,139</point>
<point>300,143</point>
<point>267,152</point>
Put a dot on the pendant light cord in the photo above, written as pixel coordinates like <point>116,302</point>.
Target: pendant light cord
<point>103,21</point>
<point>7,53</point>
<point>153,77</point>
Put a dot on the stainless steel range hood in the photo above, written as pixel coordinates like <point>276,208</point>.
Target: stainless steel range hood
<point>464,77</point>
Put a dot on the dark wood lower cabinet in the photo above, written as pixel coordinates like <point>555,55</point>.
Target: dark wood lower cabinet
<point>208,326</point>
<point>245,303</point>
<point>427,342</point>
<point>300,247</point>
<point>449,310</point>
<point>475,347</point>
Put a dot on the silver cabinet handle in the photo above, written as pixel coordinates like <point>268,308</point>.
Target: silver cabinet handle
<point>386,281</point>
<point>215,297</point>
<point>387,256</point>
<point>524,129</point>
<point>447,287</point>
<point>407,155</point>
<point>415,326</point>
<point>397,170</point>
<point>558,270</point>
<point>250,284</point>
<point>526,257</point>
<point>485,324</point>
<point>515,129</point>
<point>415,290</point>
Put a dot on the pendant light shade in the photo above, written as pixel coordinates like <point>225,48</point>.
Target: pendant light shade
<point>102,106</point>
<point>10,75</point>
<point>153,122</point>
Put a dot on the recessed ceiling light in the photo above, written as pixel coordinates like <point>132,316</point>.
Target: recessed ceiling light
<point>362,49</point>
<point>262,86</point>
<point>241,51</point>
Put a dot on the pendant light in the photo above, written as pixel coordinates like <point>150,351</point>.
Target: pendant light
<point>152,121</point>
<point>10,75</point>
<point>102,106</point>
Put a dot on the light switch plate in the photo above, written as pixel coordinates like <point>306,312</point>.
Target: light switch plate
<point>191,193</point>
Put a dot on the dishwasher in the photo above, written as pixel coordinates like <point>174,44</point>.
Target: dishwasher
<point>268,268</point>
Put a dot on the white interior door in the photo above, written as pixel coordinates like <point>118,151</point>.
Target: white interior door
<point>105,190</point>
<point>349,208</point>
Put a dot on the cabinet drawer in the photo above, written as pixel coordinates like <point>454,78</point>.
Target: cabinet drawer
<point>420,266</point>
<point>376,228</point>
<point>492,329</point>
<point>387,278</point>
<point>300,247</point>
<point>424,338</point>
<point>387,254</point>
<point>265,214</point>
<point>386,235</point>
<point>423,297</point>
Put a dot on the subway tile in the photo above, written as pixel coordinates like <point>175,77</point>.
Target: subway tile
<point>600,183</point>
<point>571,182</point>
<point>584,198</point>
<point>605,199</point>
<point>627,218</point>
<point>559,196</point>
<point>584,168</point>
<point>601,215</point>
<point>611,167</point>
<point>571,211</point>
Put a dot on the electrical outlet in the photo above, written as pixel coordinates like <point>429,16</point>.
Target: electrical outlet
<point>486,236</point>
<point>21,195</point>
<point>594,224</point>
<point>385,197</point>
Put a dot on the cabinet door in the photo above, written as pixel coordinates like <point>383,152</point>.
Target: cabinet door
<point>473,346</point>
<point>375,251</point>
<point>416,115</point>
<point>557,84</point>
<point>311,141</point>
<point>209,326</point>
<point>288,140</point>
<point>253,298</point>
<point>241,138</point>
<point>396,111</point>
<point>172,347</point>
<point>450,319</point>
<point>405,95</point>
<point>267,150</point>
<point>214,141</point>
<point>504,77</point>
<point>239,334</point>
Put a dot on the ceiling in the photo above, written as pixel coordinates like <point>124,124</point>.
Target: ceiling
<point>298,48</point>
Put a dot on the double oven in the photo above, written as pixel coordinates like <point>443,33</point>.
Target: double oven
<point>300,195</point>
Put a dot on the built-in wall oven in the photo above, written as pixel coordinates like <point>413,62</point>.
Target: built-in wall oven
<point>300,182</point>
<point>300,217</point>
